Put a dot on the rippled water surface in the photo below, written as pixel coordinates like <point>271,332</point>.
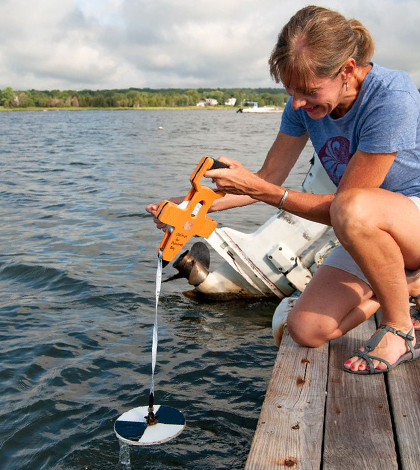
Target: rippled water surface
<point>77,277</point>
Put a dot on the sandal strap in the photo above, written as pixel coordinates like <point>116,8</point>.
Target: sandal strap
<point>368,358</point>
<point>383,329</point>
<point>406,336</point>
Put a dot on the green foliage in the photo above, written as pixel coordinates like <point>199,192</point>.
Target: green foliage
<point>138,97</point>
<point>6,97</point>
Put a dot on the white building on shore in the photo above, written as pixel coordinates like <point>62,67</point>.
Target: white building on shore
<point>207,102</point>
<point>230,102</point>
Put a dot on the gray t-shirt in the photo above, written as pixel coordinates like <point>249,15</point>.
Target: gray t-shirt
<point>385,118</point>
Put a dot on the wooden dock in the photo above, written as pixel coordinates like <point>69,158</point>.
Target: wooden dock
<point>316,416</point>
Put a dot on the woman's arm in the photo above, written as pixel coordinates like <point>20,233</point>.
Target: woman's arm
<point>279,161</point>
<point>364,170</point>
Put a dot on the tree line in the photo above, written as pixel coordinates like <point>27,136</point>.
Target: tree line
<point>138,97</point>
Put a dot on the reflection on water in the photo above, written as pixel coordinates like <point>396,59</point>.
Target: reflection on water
<point>125,456</point>
<point>77,276</point>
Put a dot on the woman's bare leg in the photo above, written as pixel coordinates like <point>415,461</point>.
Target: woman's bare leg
<point>333,303</point>
<point>381,230</point>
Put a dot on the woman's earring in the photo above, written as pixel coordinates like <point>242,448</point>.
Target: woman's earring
<point>347,86</point>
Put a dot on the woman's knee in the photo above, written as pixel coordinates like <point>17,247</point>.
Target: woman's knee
<point>350,214</point>
<point>305,332</point>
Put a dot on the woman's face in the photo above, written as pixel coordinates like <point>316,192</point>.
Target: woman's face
<point>321,98</point>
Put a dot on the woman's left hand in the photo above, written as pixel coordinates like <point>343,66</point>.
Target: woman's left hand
<point>234,180</point>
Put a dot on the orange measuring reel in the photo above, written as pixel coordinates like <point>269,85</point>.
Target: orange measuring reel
<point>186,221</point>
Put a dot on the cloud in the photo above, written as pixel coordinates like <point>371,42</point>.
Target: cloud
<point>96,44</point>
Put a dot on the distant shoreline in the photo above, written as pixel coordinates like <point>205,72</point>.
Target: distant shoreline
<point>140,99</point>
<point>174,108</point>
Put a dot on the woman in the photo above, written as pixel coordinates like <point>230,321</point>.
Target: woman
<point>363,121</point>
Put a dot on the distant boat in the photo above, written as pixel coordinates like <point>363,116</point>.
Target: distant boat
<point>257,109</point>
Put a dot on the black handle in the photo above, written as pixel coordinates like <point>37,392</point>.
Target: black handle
<point>151,400</point>
<point>218,164</point>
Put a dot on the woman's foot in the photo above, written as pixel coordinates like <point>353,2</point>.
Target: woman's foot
<point>391,348</point>
<point>415,313</point>
<point>413,282</point>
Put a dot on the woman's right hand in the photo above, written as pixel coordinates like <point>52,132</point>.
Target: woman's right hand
<point>152,209</point>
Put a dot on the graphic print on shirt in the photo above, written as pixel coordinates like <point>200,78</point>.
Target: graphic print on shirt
<point>334,156</point>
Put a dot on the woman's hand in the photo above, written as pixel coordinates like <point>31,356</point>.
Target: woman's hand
<point>234,180</point>
<point>152,209</point>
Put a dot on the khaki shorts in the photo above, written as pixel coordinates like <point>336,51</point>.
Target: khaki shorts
<point>339,258</point>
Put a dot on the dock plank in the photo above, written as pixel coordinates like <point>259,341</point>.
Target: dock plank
<point>404,394</point>
<point>290,428</point>
<point>316,416</point>
<point>358,426</point>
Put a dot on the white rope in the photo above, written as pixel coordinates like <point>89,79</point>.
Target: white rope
<point>155,326</point>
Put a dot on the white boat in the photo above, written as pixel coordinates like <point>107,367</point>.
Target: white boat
<point>256,109</point>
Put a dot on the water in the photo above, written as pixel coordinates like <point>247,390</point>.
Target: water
<point>77,276</point>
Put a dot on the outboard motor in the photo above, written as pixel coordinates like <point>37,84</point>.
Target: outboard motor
<point>275,261</point>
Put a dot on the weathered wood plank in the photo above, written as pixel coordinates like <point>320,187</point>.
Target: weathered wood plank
<point>358,427</point>
<point>404,393</point>
<point>290,428</point>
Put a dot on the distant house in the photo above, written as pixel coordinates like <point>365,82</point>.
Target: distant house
<point>207,102</point>
<point>230,102</point>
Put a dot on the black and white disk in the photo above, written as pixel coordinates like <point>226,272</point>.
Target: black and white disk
<point>131,427</point>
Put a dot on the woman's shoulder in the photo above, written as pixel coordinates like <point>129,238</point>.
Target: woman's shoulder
<point>382,78</point>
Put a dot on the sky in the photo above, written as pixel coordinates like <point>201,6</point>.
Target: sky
<point>110,44</point>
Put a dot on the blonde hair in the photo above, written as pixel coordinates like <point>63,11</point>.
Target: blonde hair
<point>316,42</point>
